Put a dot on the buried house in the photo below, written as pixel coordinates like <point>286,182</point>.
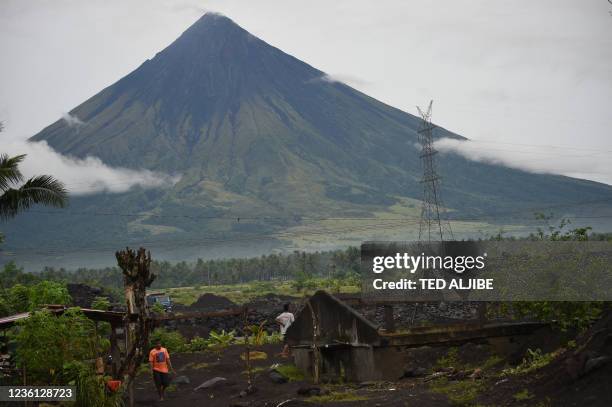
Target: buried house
<point>350,347</point>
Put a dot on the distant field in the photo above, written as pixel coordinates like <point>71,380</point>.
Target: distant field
<point>243,293</point>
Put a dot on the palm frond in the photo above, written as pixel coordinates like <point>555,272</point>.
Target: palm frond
<point>43,189</point>
<point>9,170</point>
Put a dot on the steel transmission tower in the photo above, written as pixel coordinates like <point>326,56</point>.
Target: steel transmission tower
<point>433,225</point>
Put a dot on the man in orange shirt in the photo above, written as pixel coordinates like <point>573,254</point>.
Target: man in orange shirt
<point>160,366</point>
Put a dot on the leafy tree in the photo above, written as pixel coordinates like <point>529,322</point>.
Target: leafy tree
<point>19,298</point>
<point>46,343</point>
<point>48,292</point>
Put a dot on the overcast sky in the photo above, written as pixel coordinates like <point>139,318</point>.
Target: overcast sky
<point>508,74</point>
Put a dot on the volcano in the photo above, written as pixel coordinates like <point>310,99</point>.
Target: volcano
<point>263,143</point>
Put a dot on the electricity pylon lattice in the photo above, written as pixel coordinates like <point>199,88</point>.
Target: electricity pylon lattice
<point>433,225</point>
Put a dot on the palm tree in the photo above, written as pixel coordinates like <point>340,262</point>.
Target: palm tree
<point>41,189</point>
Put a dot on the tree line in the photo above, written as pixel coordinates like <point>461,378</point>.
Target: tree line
<point>272,267</point>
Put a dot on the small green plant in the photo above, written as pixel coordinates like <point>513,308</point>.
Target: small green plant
<point>290,371</point>
<point>254,370</point>
<point>257,333</point>
<point>534,360</point>
<point>451,359</point>
<point>217,341</point>
<point>274,338</point>
<point>90,388</point>
<point>336,396</point>
<point>522,395</point>
<point>198,344</point>
<point>255,355</point>
<point>158,308</point>
<point>460,393</point>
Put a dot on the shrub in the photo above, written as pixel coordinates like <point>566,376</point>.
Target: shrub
<point>45,343</point>
<point>90,388</point>
<point>171,340</point>
<point>101,303</point>
<point>198,344</point>
<point>221,339</point>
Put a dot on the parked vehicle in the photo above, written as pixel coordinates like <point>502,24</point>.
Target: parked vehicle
<point>160,298</point>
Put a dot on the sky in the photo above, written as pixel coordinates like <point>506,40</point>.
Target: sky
<point>529,82</point>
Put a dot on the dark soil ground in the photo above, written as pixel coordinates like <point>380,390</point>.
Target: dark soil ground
<point>200,367</point>
<point>565,381</point>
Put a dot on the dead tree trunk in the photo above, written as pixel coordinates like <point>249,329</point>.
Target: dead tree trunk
<point>137,276</point>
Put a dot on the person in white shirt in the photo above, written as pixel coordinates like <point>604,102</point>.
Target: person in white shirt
<point>284,320</point>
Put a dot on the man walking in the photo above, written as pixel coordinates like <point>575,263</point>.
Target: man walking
<point>160,367</point>
<point>285,320</point>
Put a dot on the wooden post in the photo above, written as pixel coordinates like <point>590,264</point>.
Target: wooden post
<point>115,352</point>
<point>247,355</point>
<point>316,356</point>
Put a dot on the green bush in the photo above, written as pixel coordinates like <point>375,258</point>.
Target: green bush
<point>101,303</point>
<point>46,343</point>
<point>198,344</point>
<point>171,340</point>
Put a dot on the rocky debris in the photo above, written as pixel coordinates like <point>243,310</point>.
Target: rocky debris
<point>454,374</point>
<point>272,303</point>
<point>581,364</point>
<point>83,295</point>
<point>181,380</point>
<point>264,308</point>
<point>595,363</point>
<point>214,383</point>
<point>277,377</point>
<point>414,372</point>
<point>211,302</point>
<point>594,352</point>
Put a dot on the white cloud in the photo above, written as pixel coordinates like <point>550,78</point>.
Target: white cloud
<point>72,120</point>
<point>83,176</point>
<point>342,78</point>
<point>586,163</point>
